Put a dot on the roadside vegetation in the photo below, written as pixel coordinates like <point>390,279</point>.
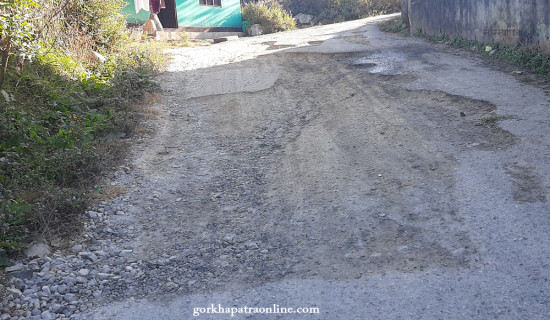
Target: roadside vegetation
<point>70,78</point>
<point>276,15</point>
<point>270,15</point>
<point>531,59</point>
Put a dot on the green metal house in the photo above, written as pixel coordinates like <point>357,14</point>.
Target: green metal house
<point>193,15</point>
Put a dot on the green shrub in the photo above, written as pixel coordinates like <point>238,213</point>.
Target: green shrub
<point>59,109</point>
<point>330,11</point>
<point>377,7</point>
<point>270,14</point>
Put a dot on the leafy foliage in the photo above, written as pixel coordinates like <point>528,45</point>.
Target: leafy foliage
<point>58,110</point>
<point>329,11</point>
<point>16,28</point>
<point>270,14</point>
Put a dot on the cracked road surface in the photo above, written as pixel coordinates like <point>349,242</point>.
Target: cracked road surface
<point>369,175</point>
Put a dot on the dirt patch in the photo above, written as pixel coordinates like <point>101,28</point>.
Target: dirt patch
<point>527,186</point>
<point>359,39</point>
<point>330,173</point>
<point>273,46</point>
<point>315,43</point>
<point>326,172</point>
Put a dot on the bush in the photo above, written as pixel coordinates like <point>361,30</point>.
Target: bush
<point>59,110</point>
<point>270,14</point>
<point>377,7</point>
<point>330,11</point>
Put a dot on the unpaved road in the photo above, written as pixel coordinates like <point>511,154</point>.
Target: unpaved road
<point>369,175</point>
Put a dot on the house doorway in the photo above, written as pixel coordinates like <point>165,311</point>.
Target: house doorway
<point>169,16</point>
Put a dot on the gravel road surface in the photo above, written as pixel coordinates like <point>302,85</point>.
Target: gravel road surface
<point>353,173</point>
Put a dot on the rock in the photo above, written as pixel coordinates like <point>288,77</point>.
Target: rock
<point>23,274</point>
<point>103,276</point>
<point>254,30</point>
<point>264,251</point>
<point>88,256</point>
<point>223,39</point>
<point>81,280</point>
<point>46,315</point>
<point>302,18</point>
<point>46,290</point>
<point>228,239</point>
<point>101,253</point>
<point>16,293</point>
<point>125,253</point>
<point>251,245</point>
<point>33,265</point>
<point>77,247</point>
<point>70,297</point>
<point>37,250</point>
<point>57,308</point>
<point>46,267</point>
<point>16,267</point>
<point>402,248</point>
<point>19,284</point>
<point>62,289</point>
<point>84,272</point>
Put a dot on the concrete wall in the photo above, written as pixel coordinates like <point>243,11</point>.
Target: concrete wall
<point>526,22</point>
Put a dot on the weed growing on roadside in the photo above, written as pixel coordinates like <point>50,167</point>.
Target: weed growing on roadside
<point>185,38</point>
<point>531,59</point>
<point>270,14</point>
<point>58,112</point>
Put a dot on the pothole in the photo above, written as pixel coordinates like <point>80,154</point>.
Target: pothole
<point>387,63</point>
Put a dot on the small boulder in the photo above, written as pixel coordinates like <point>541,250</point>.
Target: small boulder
<point>254,30</point>
<point>302,18</point>
<point>39,250</point>
<point>14,268</point>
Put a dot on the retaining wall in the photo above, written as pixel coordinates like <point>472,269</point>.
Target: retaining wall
<point>526,22</point>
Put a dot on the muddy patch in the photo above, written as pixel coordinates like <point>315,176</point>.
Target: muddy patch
<point>386,63</point>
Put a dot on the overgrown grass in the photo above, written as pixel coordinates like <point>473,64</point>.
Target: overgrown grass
<point>330,11</point>
<point>531,59</point>
<point>62,115</point>
<point>270,15</point>
<point>394,26</point>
